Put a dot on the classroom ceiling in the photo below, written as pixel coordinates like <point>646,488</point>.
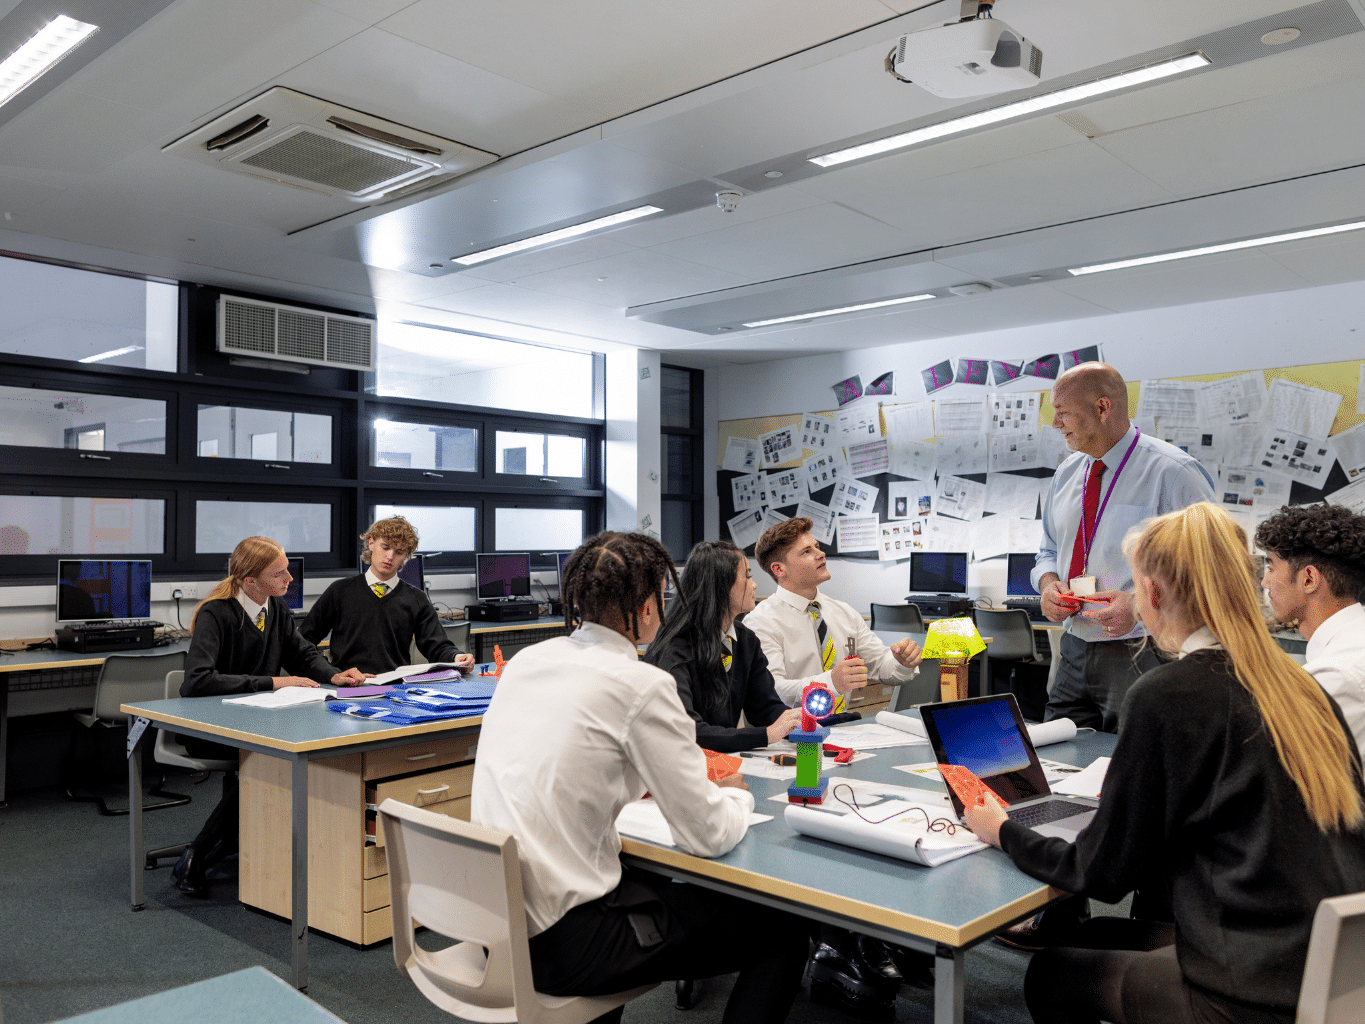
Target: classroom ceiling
<point>593,108</point>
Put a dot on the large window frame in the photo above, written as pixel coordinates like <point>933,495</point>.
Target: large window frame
<point>349,484</point>
<point>696,497</point>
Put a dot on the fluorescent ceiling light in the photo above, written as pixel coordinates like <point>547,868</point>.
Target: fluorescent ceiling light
<point>550,237</point>
<point>1205,250</point>
<point>111,354</point>
<point>1048,101</point>
<point>53,41</point>
<point>841,309</point>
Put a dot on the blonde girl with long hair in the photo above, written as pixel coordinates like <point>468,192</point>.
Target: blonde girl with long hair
<point>244,640</point>
<point>1235,784</point>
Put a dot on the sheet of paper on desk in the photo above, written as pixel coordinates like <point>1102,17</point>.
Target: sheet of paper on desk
<point>905,836</point>
<point>1087,782</point>
<point>871,737</point>
<point>643,819</point>
<point>761,768</point>
<point>1053,771</point>
<point>287,697</point>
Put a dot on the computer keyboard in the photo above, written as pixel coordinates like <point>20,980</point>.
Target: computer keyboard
<point>1040,814</point>
<point>1032,605</point>
<point>96,627</point>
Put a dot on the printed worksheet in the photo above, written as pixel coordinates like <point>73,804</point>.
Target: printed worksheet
<point>1351,496</point>
<point>786,487</point>
<point>853,498</point>
<point>778,446</point>
<point>1015,496</point>
<point>940,533</point>
<point>1052,449</point>
<point>915,459</point>
<point>960,415</point>
<point>1014,412</point>
<point>1205,443</point>
<point>1300,409</point>
<point>857,533</point>
<point>909,499</point>
<point>859,422</point>
<point>746,528</point>
<point>822,519</point>
<point>1232,399</point>
<point>1172,402</point>
<point>1305,459</point>
<point>823,470</point>
<point>741,455</point>
<point>963,454</point>
<point>747,491</point>
<point>893,541</point>
<point>913,421</point>
<point>1026,535</point>
<point>990,537</point>
<point>1349,448</point>
<point>963,499</point>
<point>871,459</point>
<point>817,431</point>
<point>1012,451</point>
<point>1261,491</point>
<point>771,517</point>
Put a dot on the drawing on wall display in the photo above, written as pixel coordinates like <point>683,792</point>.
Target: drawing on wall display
<point>938,376</point>
<point>848,390</point>
<point>1089,354</point>
<point>1046,367</point>
<point>1003,373</point>
<point>883,385</point>
<point>972,371</point>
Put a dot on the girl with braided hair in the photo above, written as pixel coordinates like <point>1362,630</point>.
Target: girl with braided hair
<point>579,727</point>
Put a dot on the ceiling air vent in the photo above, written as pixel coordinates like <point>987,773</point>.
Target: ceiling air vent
<point>288,137</point>
<point>268,330</point>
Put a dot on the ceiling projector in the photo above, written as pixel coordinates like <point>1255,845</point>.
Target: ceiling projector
<point>967,58</point>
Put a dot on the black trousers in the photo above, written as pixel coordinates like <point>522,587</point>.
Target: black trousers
<point>652,929</point>
<point>218,838</point>
<point>1125,972</point>
<point>1093,678</point>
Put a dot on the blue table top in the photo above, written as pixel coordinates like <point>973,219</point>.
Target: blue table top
<point>955,903</point>
<point>253,994</point>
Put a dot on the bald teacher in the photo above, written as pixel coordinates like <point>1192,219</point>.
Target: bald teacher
<point>1117,477</point>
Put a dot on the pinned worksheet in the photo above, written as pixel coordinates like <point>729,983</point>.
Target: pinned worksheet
<point>822,519</point>
<point>853,498</point>
<point>962,499</point>
<point>871,459</point>
<point>741,455</point>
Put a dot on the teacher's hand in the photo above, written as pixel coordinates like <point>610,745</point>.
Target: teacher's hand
<point>1058,604</point>
<point>1117,616</point>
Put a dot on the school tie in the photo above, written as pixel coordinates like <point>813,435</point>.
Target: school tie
<point>260,620</point>
<point>826,645</point>
<point>380,589</point>
<point>1090,505</point>
<point>728,656</point>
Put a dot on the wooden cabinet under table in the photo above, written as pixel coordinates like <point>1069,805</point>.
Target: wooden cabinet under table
<point>348,885</point>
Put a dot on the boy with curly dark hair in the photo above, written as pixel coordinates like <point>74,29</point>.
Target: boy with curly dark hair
<point>1314,573</point>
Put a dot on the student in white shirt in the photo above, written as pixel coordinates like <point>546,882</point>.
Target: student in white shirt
<point>1314,573</point>
<point>578,728</point>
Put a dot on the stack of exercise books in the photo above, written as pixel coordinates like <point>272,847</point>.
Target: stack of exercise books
<point>432,694</point>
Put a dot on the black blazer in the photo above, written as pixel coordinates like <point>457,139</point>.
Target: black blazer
<point>751,692</point>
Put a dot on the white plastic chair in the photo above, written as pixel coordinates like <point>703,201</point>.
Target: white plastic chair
<point>463,881</point>
<point>1333,989</point>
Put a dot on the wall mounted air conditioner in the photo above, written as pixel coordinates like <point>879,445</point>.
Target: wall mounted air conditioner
<point>288,137</point>
<point>271,331</point>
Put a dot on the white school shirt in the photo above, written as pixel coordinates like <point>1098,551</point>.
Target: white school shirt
<point>787,634</point>
<point>579,727</point>
<point>390,584</point>
<point>1336,659</point>
<point>251,608</point>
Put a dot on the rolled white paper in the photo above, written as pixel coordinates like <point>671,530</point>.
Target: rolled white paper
<point>1059,730</point>
<point>902,722</point>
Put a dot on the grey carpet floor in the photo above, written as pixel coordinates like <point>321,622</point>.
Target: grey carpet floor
<point>70,943</point>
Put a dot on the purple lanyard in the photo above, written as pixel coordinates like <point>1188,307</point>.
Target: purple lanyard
<point>1087,540</point>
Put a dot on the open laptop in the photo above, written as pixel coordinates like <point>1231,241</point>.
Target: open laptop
<point>987,736</point>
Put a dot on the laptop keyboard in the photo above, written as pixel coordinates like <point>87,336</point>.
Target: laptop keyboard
<point>1040,814</point>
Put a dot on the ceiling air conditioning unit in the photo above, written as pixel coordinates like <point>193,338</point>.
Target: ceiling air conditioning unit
<point>967,58</point>
<point>270,331</point>
<point>285,136</point>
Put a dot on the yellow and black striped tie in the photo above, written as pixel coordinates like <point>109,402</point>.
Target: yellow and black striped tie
<point>379,589</point>
<point>728,657</point>
<point>826,645</point>
<point>260,620</point>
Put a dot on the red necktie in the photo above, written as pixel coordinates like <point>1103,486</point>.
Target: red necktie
<point>1089,507</point>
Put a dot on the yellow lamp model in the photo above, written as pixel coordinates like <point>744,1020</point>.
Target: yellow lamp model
<point>952,642</point>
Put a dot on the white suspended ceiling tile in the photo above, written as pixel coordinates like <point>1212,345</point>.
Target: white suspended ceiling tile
<point>631,279</point>
<point>397,286</point>
<point>72,132</point>
<point>1006,308</point>
<point>617,56</point>
<point>368,11</point>
<point>948,157</point>
<point>19,192</point>
<point>1265,139</point>
<point>1330,260</point>
<point>415,85</point>
<point>1038,189</point>
<point>654,231</point>
<point>539,261</point>
<point>792,243</point>
<point>1179,283</point>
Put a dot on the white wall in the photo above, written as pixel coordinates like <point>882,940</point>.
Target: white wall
<point>1314,325</point>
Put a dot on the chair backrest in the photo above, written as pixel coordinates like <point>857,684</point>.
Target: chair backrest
<point>1010,631</point>
<point>898,616</point>
<point>456,632</point>
<point>1333,989</point>
<point>128,678</point>
<point>462,881</point>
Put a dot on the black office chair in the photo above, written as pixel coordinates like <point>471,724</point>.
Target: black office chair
<point>125,679</point>
<point>905,617</point>
<point>1011,634</point>
<point>456,632</point>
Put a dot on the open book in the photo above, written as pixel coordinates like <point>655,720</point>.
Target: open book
<point>286,697</point>
<point>904,836</point>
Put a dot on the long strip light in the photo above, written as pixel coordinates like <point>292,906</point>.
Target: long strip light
<point>1060,98</point>
<point>52,42</point>
<point>1205,250</point>
<point>550,237</point>
<point>113,353</point>
<point>841,309</point>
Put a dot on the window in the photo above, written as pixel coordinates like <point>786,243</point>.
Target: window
<point>395,444</point>
<point>49,418</point>
<point>680,459</point>
<point>298,527</point>
<point>265,435</point>
<point>540,454</point>
<point>439,528</point>
<point>87,317</point>
<point>529,529</point>
<point>50,524</point>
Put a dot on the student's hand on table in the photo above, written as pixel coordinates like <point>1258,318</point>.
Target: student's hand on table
<point>282,681</point>
<point>1117,616</point>
<point>907,652</point>
<point>464,661</point>
<point>786,722</point>
<point>735,781</point>
<point>985,820</point>
<point>351,677</point>
<point>1058,604</point>
<point>849,674</point>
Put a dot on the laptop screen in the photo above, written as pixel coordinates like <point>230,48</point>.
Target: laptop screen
<point>986,736</point>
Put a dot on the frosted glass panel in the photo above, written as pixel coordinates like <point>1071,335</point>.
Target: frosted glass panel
<point>267,435</point>
<point>36,524</point>
<point>438,529</point>
<point>424,446</point>
<point>295,526</point>
<point>537,529</point>
<point>540,454</point>
<point>39,418</point>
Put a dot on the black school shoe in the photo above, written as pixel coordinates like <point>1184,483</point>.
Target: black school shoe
<point>860,979</point>
<point>188,874</point>
<point>917,969</point>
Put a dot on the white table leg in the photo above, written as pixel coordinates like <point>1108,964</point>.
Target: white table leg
<point>949,986</point>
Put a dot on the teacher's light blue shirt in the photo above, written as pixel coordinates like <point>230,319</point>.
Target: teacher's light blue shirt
<point>1158,478</point>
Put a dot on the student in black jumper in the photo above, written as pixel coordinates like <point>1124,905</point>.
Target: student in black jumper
<point>243,636</point>
<point>717,661</point>
<point>374,617</point>
<point>1235,782</point>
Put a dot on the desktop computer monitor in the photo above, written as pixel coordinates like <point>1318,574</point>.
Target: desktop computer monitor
<point>91,591</point>
<point>293,597</point>
<point>414,574</point>
<point>1017,582</point>
<point>563,559</point>
<point>938,572</point>
<point>506,574</point>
